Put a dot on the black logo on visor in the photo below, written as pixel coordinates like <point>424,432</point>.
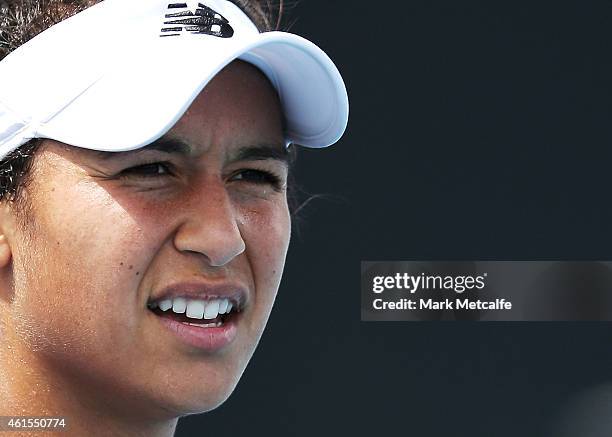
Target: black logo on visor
<point>180,19</point>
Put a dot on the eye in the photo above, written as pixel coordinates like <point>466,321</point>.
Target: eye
<point>258,177</point>
<point>154,169</point>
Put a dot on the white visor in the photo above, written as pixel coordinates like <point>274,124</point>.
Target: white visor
<point>120,74</point>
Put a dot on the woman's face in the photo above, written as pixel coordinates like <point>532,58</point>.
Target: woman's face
<point>111,233</point>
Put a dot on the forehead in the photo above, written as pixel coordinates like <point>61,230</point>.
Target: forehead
<point>238,108</point>
<point>238,103</point>
<point>238,113</point>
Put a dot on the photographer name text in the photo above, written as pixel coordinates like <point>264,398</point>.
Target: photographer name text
<point>425,283</point>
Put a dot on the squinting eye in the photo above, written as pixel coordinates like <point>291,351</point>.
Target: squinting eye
<point>258,177</point>
<point>148,170</point>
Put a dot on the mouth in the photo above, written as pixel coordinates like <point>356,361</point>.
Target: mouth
<point>208,324</point>
<point>203,313</point>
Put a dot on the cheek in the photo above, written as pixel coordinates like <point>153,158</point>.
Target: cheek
<point>79,271</point>
<point>267,231</point>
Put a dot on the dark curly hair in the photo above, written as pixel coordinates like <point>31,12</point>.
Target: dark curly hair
<point>22,20</point>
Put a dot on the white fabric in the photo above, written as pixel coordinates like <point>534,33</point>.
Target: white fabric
<point>106,80</point>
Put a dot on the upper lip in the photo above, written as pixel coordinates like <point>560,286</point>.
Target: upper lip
<point>233,291</point>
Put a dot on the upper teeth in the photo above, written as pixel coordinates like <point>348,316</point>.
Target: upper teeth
<point>195,308</point>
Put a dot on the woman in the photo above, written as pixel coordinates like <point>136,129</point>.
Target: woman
<point>144,221</point>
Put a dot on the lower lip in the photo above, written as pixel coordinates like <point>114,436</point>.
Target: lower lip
<point>211,339</point>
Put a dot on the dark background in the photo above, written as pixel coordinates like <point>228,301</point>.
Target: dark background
<point>478,130</point>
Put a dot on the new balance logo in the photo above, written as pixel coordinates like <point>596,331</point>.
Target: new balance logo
<point>182,19</point>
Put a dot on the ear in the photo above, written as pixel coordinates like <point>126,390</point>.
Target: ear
<point>7,226</point>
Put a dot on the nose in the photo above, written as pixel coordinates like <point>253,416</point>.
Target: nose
<point>209,226</point>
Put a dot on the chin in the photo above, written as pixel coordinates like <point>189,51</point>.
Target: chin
<point>204,404</point>
<point>198,398</point>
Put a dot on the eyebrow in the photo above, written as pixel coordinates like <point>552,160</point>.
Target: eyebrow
<point>164,144</point>
<point>262,153</point>
<point>172,145</point>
